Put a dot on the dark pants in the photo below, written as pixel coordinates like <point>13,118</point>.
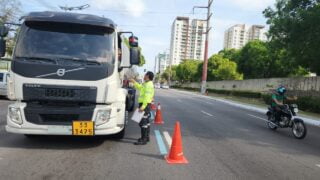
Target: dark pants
<point>277,112</point>
<point>145,123</point>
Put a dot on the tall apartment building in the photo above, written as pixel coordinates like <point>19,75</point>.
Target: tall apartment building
<point>239,35</point>
<point>162,61</point>
<point>257,32</point>
<point>187,40</point>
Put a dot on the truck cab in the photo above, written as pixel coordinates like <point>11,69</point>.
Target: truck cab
<point>66,76</point>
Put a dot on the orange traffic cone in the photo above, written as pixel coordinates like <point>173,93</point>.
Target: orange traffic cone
<point>176,152</point>
<point>158,119</point>
<point>153,106</point>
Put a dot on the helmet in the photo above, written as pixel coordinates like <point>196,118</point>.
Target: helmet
<point>281,90</point>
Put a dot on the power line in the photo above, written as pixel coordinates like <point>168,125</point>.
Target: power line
<point>148,12</point>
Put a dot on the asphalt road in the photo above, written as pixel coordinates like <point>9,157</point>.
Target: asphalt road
<point>220,141</point>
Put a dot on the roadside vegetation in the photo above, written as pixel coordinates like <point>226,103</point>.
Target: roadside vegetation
<point>291,50</point>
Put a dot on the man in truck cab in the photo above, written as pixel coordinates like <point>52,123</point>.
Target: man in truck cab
<point>146,90</point>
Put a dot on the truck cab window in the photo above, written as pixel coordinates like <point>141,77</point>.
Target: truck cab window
<point>67,40</point>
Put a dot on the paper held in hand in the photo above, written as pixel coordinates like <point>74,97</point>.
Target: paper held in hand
<point>137,116</point>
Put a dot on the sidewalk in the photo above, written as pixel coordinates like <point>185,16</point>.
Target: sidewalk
<point>307,119</point>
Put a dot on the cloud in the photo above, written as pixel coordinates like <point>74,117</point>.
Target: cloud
<point>250,5</point>
<point>131,7</point>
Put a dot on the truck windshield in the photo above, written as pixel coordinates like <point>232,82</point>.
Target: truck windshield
<point>66,41</point>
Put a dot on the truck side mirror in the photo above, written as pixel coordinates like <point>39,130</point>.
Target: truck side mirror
<point>2,47</point>
<point>133,41</point>
<point>134,56</point>
<point>3,31</point>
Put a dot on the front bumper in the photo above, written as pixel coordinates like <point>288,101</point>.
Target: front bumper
<point>114,125</point>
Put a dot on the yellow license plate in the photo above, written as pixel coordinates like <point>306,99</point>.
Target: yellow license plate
<point>82,128</point>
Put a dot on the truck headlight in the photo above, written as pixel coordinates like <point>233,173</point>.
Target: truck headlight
<point>15,115</point>
<point>103,116</point>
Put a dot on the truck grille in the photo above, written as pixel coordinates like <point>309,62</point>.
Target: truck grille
<point>43,114</point>
<point>58,118</point>
<point>60,93</point>
<point>35,92</point>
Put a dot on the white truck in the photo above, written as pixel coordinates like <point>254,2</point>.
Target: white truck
<point>67,75</point>
<point>3,82</point>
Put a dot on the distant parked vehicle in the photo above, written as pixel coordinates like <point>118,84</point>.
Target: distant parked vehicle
<point>165,87</point>
<point>157,86</point>
<point>3,82</point>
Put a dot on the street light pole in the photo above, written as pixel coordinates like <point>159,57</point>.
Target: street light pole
<point>206,48</point>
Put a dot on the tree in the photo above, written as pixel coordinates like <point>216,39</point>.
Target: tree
<point>187,71</point>
<point>254,60</point>
<point>295,28</point>
<point>142,59</point>
<point>9,10</point>
<point>157,77</point>
<point>220,68</point>
<point>231,54</point>
<point>170,73</point>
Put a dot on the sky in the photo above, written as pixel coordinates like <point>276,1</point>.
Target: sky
<point>151,20</point>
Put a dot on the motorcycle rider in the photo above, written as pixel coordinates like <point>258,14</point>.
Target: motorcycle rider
<point>278,101</point>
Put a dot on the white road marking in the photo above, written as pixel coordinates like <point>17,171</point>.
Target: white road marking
<point>306,119</point>
<point>257,117</point>
<point>179,100</point>
<point>209,103</point>
<point>207,113</point>
<point>318,165</point>
<point>167,137</point>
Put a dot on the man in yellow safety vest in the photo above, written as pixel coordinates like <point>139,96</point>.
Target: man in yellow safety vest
<point>146,90</point>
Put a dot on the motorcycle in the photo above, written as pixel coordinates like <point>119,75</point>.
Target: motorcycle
<point>287,119</point>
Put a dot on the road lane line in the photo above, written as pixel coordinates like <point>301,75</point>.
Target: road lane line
<point>209,103</point>
<point>168,138</point>
<point>162,147</point>
<point>318,165</point>
<point>207,113</point>
<point>306,119</point>
<point>257,117</point>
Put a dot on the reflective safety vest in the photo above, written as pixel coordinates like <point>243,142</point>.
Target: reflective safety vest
<point>146,93</point>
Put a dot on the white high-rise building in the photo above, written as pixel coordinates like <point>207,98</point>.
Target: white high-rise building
<point>257,32</point>
<point>239,35</point>
<point>162,61</point>
<point>187,40</point>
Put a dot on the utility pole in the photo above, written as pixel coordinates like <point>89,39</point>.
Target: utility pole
<point>205,62</point>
